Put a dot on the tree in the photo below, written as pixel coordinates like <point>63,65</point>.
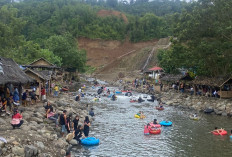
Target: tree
<point>66,48</point>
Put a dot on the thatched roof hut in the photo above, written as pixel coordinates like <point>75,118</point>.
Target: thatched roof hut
<point>175,78</point>
<point>11,73</point>
<point>212,81</point>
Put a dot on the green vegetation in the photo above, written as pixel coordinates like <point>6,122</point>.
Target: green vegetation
<point>204,40</point>
<point>49,28</point>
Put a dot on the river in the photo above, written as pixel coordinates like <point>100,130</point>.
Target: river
<point>121,134</point>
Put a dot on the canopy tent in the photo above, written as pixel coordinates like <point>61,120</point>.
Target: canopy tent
<point>155,68</point>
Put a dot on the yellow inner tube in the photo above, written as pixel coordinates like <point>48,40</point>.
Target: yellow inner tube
<point>141,117</point>
<point>194,118</point>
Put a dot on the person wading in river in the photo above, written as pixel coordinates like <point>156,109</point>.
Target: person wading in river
<point>86,126</point>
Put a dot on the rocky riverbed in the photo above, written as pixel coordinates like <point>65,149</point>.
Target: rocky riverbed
<point>39,136</point>
<point>200,103</point>
<point>185,100</point>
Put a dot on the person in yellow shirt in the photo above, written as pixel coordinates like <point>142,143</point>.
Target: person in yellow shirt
<point>56,90</point>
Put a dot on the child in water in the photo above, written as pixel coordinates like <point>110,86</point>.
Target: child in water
<point>155,121</point>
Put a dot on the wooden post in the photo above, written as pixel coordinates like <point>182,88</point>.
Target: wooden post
<point>20,93</point>
<point>220,92</point>
<point>49,87</point>
<point>39,90</point>
<point>210,91</point>
<point>195,90</point>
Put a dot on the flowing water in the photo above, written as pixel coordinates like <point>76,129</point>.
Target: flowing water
<point>121,134</point>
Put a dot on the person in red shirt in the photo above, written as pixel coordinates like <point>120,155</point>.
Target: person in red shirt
<point>43,93</point>
<point>16,119</point>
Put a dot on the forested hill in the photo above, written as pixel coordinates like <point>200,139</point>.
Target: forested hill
<point>31,29</point>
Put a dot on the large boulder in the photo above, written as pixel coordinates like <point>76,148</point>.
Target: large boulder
<point>30,151</point>
<point>40,145</point>
<point>26,127</point>
<point>44,155</point>
<point>2,121</point>
<point>38,120</point>
<point>60,143</point>
<point>2,144</point>
<point>18,151</point>
<point>169,102</point>
<point>69,137</point>
<point>26,116</point>
<point>73,142</point>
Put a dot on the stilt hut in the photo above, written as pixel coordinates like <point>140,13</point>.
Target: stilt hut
<point>45,73</point>
<point>12,76</point>
<point>42,78</point>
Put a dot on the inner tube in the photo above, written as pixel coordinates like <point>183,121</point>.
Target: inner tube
<point>133,100</point>
<point>65,89</point>
<point>138,116</point>
<point>155,125</point>
<point>220,132</point>
<point>231,136</point>
<point>128,94</point>
<point>194,118</point>
<point>90,141</point>
<point>160,108</point>
<point>109,96</point>
<point>154,130</point>
<point>96,99</point>
<point>166,123</point>
<point>118,92</point>
<point>208,110</point>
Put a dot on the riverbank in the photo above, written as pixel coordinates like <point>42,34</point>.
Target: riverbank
<point>39,136</point>
<point>200,103</point>
<point>185,100</point>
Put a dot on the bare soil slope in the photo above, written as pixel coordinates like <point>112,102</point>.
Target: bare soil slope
<point>102,52</point>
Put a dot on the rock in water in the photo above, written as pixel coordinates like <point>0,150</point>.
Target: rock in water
<point>73,142</point>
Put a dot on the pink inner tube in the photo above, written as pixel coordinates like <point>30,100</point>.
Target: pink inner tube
<point>221,132</point>
<point>124,91</point>
<point>155,125</point>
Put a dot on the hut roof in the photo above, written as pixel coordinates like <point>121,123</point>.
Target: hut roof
<point>37,64</point>
<point>171,78</point>
<point>40,60</point>
<point>175,78</point>
<point>11,73</point>
<point>212,81</point>
<point>45,74</point>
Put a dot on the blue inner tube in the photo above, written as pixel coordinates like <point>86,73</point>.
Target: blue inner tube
<point>118,92</point>
<point>166,123</point>
<point>230,136</point>
<point>90,141</point>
